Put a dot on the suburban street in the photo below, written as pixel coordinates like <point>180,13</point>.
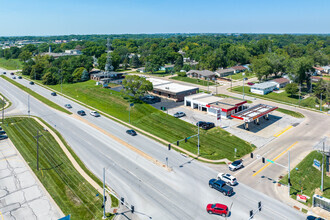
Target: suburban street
<point>182,193</point>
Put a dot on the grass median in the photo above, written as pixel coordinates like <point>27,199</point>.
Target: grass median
<point>307,178</point>
<point>215,143</point>
<point>72,193</point>
<point>37,96</point>
<point>193,80</point>
<point>291,113</point>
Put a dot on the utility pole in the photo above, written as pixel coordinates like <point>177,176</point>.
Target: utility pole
<point>299,93</point>
<point>231,84</point>
<point>3,109</point>
<point>129,112</point>
<point>322,168</point>
<point>289,181</point>
<point>29,105</point>
<point>104,193</point>
<point>243,84</point>
<point>37,137</point>
<point>321,103</point>
<point>198,140</point>
<point>208,80</point>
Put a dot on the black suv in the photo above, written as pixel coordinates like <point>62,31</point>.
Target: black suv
<point>31,83</point>
<point>207,125</point>
<point>200,123</point>
<point>53,93</point>
<point>131,132</point>
<point>221,186</point>
<point>19,77</point>
<point>81,113</point>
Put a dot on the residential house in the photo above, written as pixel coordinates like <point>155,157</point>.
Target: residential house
<point>239,68</point>
<point>73,52</point>
<point>201,74</point>
<point>141,69</point>
<point>167,68</point>
<point>281,82</point>
<point>263,88</point>
<point>326,69</point>
<point>225,72</point>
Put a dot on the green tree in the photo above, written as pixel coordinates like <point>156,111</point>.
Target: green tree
<point>85,76</point>
<point>299,68</point>
<point>178,64</point>
<point>25,55</point>
<point>135,62</point>
<point>50,78</point>
<point>77,74</point>
<point>291,89</point>
<point>136,86</point>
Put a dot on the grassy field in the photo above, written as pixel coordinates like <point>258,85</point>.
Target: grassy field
<point>283,97</point>
<point>215,143</point>
<point>193,80</point>
<point>72,193</point>
<point>291,113</point>
<point>11,64</point>
<point>37,96</point>
<point>309,177</point>
<point>239,76</point>
<point>228,96</point>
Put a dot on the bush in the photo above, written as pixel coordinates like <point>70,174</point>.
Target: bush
<point>182,74</point>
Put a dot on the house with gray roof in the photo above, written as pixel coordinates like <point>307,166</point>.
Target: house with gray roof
<point>225,72</point>
<point>263,88</point>
<point>201,74</point>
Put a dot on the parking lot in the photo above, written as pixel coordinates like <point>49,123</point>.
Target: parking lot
<point>259,135</point>
<point>21,194</point>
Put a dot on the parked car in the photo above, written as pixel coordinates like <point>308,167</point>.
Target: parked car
<point>245,79</point>
<point>0,128</point>
<point>14,77</point>
<point>4,72</point>
<point>217,208</point>
<point>238,164</point>
<point>53,93</point>
<point>2,132</point>
<point>2,137</point>
<point>221,186</point>
<point>31,83</point>
<point>95,114</point>
<point>200,123</point>
<point>19,77</point>
<point>131,132</point>
<point>11,73</point>
<point>250,83</point>
<point>81,113</point>
<point>179,114</point>
<point>311,217</point>
<point>67,106</point>
<point>207,125</point>
<point>229,179</point>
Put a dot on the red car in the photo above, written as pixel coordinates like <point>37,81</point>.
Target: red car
<point>217,208</point>
<point>250,83</point>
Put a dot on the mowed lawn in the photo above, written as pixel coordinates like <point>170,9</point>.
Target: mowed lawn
<point>283,97</point>
<point>193,80</point>
<point>11,64</point>
<point>308,177</point>
<point>215,143</point>
<point>72,193</point>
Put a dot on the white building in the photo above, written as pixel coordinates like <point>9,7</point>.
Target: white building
<point>73,52</point>
<point>263,88</point>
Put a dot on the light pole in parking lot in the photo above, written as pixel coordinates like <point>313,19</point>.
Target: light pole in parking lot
<point>198,141</point>
<point>243,84</point>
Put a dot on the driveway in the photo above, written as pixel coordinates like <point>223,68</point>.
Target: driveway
<point>22,196</point>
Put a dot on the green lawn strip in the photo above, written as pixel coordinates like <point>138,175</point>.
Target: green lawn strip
<point>309,102</point>
<point>37,96</point>
<point>215,143</point>
<point>309,176</point>
<point>11,64</point>
<point>239,76</point>
<point>193,80</point>
<point>228,96</point>
<point>291,113</point>
<point>72,193</point>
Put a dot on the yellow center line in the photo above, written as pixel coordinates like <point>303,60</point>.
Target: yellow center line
<point>281,132</point>
<point>275,159</point>
<point>1,216</point>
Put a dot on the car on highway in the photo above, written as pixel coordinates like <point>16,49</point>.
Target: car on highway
<point>217,208</point>
<point>53,93</point>
<point>67,106</point>
<point>208,125</point>
<point>11,73</point>
<point>2,137</point>
<point>95,114</point>
<point>14,77</point>
<point>200,123</point>
<point>221,186</point>
<point>229,179</point>
<point>131,132</point>
<point>81,113</point>
<point>4,72</point>
<point>311,217</point>
<point>236,165</point>
<point>19,77</point>
<point>179,114</point>
<point>2,132</point>
<point>31,83</point>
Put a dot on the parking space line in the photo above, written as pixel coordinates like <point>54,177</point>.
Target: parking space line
<point>284,130</point>
<point>261,169</point>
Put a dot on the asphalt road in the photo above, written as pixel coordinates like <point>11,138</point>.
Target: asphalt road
<point>155,192</point>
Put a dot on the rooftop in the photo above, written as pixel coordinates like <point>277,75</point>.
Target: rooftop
<point>209,99</point>
<point>281,80</point>
<point>225,70</point>
<point>239,68</point>
<point>202,72</point>
<point>174,87</point>
<point>254,112</point>
<point>263,85</point>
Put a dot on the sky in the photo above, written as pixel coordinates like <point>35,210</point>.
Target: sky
<point>63,17</point>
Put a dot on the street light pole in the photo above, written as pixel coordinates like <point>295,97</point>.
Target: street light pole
<point>29,105</point>
<point>243,84</point>
<point>3,109</point>
<point>104,193</point>
<point>37,137</point>
<point>322,168</point>
<point>321,103</point>
<point>198,140</point>
<point>289,181</point>
<point>129,114</point>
